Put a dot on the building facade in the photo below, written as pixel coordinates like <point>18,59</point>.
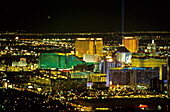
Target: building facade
<point>88,46</point>
<point>131,43</point>
<point>152,62</point>
<point>132,75</point>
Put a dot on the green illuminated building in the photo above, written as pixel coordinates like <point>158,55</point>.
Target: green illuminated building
<point>58,60</point>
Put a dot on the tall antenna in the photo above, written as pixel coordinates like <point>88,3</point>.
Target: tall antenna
<point>123,5</point>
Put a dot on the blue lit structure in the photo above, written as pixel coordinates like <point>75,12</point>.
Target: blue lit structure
<point>131,75</point>
<point>108,79</point>
<point>105,65</point>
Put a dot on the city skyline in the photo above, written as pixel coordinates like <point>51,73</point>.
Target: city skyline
<point>100,16</point>
<point>84,71</point>
<point>84,55</point>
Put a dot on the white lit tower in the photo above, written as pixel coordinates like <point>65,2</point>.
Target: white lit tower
<point>153,48</point>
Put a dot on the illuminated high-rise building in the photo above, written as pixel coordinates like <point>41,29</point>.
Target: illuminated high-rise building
<point>131,43</point>
<point>89,46</point>
<point>151,48</point>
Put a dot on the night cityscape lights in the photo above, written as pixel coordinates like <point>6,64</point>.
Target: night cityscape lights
<point>52,74</point>
<point>61,56</point>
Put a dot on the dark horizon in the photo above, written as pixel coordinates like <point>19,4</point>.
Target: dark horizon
<point>76,16</point>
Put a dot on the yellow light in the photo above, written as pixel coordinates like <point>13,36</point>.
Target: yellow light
<point>6,84</point>
<point>98,38</point>
<point>110,82</point>
<point>61,53</point>
<point>81,38</point>
<point>108,56</point>
<point>39,89</point>
<point>128,37</point>
<point>29,83</point>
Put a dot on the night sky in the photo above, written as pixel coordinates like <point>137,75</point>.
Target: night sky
<point>84,16</point>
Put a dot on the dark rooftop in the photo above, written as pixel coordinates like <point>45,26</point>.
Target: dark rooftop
<point>122,49</point>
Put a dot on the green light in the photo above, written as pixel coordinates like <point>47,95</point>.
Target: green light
<point>55,60</point>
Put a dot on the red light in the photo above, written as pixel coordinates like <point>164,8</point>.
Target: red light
<point>65,70</point>
<point>143,106</point>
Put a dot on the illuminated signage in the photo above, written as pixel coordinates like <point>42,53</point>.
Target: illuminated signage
<point>128,37</point>
<point>98,38</point>
<point>81,38</point>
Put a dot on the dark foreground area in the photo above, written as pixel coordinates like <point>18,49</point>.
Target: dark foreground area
<point>25,101</point>
<point>126,104</point>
